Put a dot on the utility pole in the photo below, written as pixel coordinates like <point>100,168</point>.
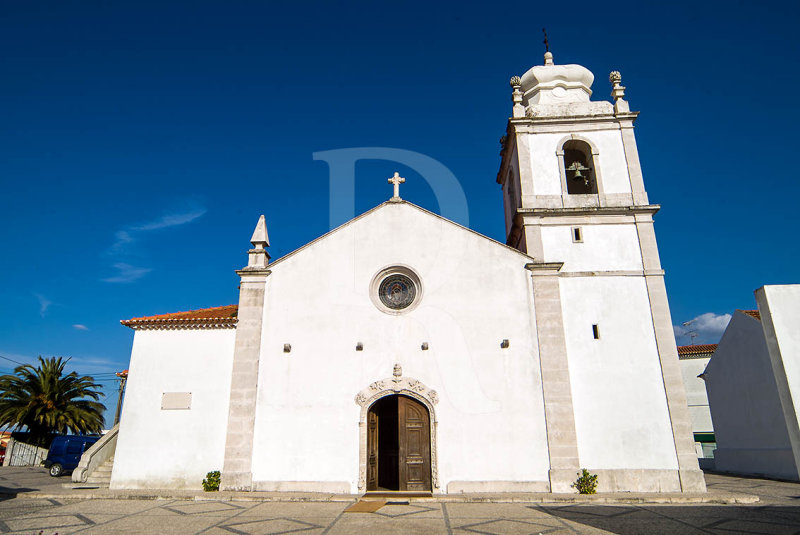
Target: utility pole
<point>123,377</point>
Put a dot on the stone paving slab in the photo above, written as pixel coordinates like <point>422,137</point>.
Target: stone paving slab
<point>719,497</point>
<point>777,512</point>
<point>35,483</point>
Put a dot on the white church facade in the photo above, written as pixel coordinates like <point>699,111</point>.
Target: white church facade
<point>437,360</point>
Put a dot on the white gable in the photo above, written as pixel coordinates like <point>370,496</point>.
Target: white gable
<point>475,294</point>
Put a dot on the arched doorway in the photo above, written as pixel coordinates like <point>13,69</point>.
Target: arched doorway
<point>398,445</point>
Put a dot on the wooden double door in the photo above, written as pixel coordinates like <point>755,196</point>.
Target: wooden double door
<point>398,445</point>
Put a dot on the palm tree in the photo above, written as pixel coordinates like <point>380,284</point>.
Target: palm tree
<point>45,400</point>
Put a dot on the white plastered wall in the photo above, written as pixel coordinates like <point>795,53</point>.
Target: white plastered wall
<point>696,394</point>
<point>604,247</point>
<point>749,423</point>
<point>475,294</point>
<point>174,448</point>
<point>780,313</point>
<point>621,414</point>
<point>544,163</point>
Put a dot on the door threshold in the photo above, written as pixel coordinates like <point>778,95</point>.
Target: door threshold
<point>397,494</point>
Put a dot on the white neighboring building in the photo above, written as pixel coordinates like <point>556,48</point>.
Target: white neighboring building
<point>752,381</point>
<point>402,351</point>
<point>694,360</point>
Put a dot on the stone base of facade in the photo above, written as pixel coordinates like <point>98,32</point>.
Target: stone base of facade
<point>456,487</point>
<point>614,480</point>
<point>632,480</point>
<point>236,481</point>
<point>334,487</point>
<point>692,481</point>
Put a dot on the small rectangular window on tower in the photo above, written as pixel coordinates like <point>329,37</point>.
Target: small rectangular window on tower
<point>595,332</point>
<point>577,235</point>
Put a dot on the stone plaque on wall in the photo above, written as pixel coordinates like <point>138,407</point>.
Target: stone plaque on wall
<point>171,401</point>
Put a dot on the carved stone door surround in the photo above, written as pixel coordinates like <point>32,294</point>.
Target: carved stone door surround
<point>397,384</point>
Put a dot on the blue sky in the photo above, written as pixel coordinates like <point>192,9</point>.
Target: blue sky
<point>140,141</point>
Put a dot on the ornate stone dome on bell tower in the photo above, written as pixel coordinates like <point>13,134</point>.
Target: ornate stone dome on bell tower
<point>556,84</point>
<point>552,90</point>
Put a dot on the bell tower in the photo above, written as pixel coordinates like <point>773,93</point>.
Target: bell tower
<point>575,201</point>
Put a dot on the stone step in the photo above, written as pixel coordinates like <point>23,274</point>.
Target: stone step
<point>102,474</point>
<point>104,471</point>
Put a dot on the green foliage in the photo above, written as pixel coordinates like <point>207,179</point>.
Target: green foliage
<point>586,482</point>
<point>46,401</point>
<point>211,482</point>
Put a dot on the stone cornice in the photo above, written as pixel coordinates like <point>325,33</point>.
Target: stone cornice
<point>544,268</point>
<point>554,268</point>
<point>590,210</point>
<point>249,272</point>
<point>614,273</point>
<point>573,119</point>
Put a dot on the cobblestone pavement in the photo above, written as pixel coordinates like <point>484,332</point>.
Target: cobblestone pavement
<point>778,512</point>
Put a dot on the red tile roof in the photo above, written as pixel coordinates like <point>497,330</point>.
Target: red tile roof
<point>753,313</point>
<point>225,316</point>
<point>696,352</point>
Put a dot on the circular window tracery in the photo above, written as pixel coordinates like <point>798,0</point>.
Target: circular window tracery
<point>395,290</point>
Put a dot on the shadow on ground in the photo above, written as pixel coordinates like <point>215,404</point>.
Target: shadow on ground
<point>17,480</point>
<point>629,520</point>
<point>8,493</point>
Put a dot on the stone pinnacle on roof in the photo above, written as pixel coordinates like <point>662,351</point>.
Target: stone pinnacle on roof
<point>260,237</point>
<point>618,92</point>
<point>258,258</point>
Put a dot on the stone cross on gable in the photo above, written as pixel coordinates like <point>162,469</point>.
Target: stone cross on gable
<point>396,180</point>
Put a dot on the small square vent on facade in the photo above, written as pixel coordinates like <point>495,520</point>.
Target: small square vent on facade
<point>176,401</point>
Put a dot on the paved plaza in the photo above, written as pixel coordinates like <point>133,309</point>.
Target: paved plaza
<point>778,511</point>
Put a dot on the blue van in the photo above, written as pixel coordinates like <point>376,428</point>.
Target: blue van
<point>65,452</point>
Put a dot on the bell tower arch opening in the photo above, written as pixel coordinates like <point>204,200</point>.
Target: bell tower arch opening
<point>579,167</point>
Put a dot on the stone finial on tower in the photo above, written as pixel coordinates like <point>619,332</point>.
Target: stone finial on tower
<point>618,92</point>
<point>516,97</point>
<point>258,258</point>
<point>548,56</point>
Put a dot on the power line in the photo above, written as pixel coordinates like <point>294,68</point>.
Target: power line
<point>14,361</point>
